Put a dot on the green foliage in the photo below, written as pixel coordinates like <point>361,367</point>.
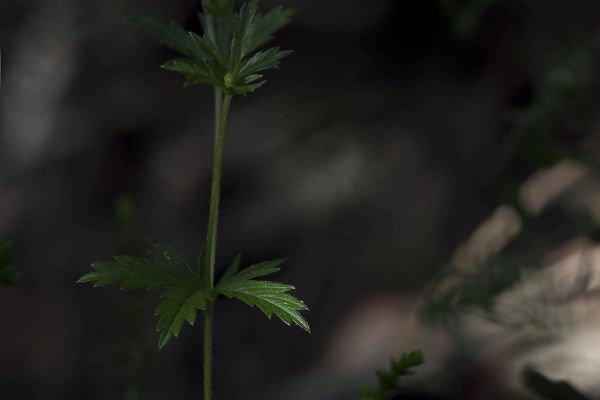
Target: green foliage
<point>389,380</point>
<point>164,269</point>
<point>226,57</point>
<point>185,291</point>
<point>220,7</point>
<point>547,389</point>
<point>266,25</point>
<point>222,56</point>
<point>8,274</point>
<point>270,297</point>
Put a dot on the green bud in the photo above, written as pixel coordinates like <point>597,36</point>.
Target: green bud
<point>229,80</point>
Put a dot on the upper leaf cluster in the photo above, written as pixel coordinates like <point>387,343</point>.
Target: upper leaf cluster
<point>185,290</point>
<point>225,55</point>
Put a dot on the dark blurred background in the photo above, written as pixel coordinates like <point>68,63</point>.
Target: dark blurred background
<point>389,137</point>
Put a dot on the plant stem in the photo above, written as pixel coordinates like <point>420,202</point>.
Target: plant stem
<point>215,192</point>
<point>221,112</point>
<point>218,110</point>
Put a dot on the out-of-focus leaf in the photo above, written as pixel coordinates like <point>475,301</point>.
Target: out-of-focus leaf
<point>389,380</point>
<point>550,390</point>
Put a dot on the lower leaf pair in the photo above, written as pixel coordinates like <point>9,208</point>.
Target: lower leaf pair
<point>187,290</point>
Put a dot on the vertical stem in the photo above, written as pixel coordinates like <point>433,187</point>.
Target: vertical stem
<point>208,331</point>
<point>218,110</point>
<point>221,112</point>
<point>215,192</point>
<point>222,103</point>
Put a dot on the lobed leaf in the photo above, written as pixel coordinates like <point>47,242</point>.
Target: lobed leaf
<point>179,304</point>
<point>243,31</point>
<point>270,297</point>
<point>220,7</point>
<point>262,61</point>
<point>244,90</point>
<point>219,29</point>
<point>185,291</point>
<point>209,48</point>
<point>232,269</point>
<point>266,25</point>
<point>163,269</point>
<point>251,272</point>
<point>170,34</point>
<point>195,73</point>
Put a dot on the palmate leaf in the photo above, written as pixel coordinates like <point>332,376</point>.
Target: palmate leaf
<point>270,297</point>
<point>220,7</point>
<point>195,73</point>
<point>184,292</point>
<point>202,64</point>
<point>180,304</point>
<point>170,34</point>
<point>262,61</point>
<point>251,272</point>
<point>242,33</point>
<point>266,25</point>
<point>218,27</point>
<point>222,56</point>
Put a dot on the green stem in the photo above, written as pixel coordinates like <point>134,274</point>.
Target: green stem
<point>215,192</point>
<point>211,31</point>
<point>222,103</point>
<point>218,110</point>
<point>221,113</point>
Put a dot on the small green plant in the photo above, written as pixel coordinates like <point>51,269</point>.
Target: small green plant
<point>389,381</point>
<point>226,57</point>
